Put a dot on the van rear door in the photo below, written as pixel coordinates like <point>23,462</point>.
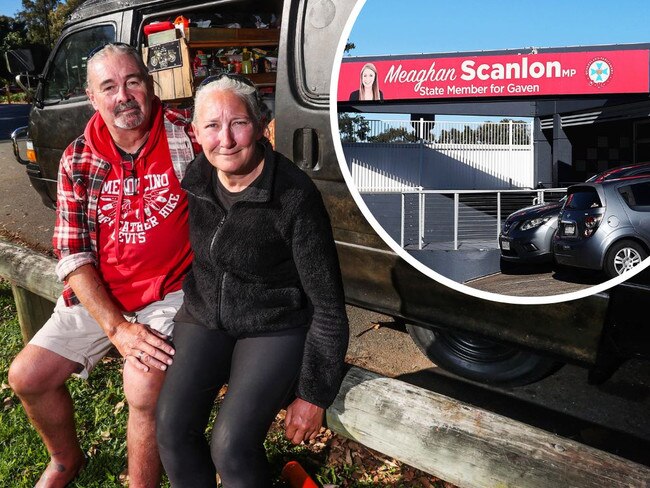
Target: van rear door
<point>311,30</point>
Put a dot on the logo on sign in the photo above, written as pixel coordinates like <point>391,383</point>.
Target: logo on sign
<point>599,71</point>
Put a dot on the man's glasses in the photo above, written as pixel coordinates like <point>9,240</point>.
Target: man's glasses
<point>102,46</point>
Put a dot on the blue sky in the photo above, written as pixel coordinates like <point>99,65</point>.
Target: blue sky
<point>436,26</point>
<point>10,7</point>
<point>467,25</point>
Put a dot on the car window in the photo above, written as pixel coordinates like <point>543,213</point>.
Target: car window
<point>66,74</point>
<point>318,28</point>
<point>583,199</point>
<point>636,195</point>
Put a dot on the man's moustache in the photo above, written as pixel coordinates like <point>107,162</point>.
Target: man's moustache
<point>125,106</point>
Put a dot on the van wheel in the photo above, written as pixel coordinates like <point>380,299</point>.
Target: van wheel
<point>623,256</point>
<point>480,359</point>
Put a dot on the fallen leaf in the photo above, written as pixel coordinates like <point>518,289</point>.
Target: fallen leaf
<point>119,406</point>
<point>373,326</point>
<point>8,403</point>
<point>425,482</point>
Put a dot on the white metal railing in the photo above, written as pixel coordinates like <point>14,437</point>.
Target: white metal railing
<point>508,132</point>
<point>444,154</point>
<point>430,217</point>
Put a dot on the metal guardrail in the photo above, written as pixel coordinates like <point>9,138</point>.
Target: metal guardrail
<point>430,217</point>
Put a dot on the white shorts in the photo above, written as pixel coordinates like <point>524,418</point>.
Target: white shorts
<point>71,332</point>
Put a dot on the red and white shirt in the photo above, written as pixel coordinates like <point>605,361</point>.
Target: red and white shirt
<point>142,251</point>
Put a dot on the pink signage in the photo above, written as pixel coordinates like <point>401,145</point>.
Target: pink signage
<point>508,75</point>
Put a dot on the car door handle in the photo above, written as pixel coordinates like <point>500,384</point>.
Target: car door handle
<point>306,148</point>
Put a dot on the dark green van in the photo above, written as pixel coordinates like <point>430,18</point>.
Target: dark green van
<point>488,341</point>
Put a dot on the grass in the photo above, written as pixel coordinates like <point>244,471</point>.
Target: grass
<point>101,415</point>
<point>13,98</point>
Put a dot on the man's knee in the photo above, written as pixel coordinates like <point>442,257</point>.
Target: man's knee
<point>142,389</point>
<point>19,377</point>
<point>36,371</point>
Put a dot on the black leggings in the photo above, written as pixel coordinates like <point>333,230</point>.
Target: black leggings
<point>260,372</point>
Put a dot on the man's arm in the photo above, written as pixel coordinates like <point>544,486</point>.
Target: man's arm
<point>137,343</point>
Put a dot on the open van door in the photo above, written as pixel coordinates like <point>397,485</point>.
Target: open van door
<point>310,37</point>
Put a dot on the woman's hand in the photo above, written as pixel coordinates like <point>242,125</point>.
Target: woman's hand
<point>303,421</point>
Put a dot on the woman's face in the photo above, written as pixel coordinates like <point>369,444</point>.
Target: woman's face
<point>368,77</point>
<point>227,133</point>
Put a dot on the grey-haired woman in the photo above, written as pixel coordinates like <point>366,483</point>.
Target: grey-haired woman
<point>264,308</point>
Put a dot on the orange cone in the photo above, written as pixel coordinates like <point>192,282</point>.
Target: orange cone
<point>296,476</point>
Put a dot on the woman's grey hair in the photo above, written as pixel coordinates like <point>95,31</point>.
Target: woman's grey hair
<point>247,93</point>
<point>117,48</point>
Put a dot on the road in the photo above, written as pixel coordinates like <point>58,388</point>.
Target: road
<point>612,417</point>
<point>537,280</point>
<point>21,210</point>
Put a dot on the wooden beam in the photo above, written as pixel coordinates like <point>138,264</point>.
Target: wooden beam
<point>32,310</point>
<point>30,270</point>
<point>33,283</point>
<point>465,445</point>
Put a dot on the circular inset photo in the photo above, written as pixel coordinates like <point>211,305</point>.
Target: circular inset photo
<point>503,158</point>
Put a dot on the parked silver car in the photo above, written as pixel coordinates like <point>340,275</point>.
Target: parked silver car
<point>527,234</point>
<point>605,225</point>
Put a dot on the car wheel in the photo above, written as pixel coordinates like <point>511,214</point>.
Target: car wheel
<point>623,256</point>
<point>480,359</point>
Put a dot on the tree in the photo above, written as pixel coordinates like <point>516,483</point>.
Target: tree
<point>13,35</point>
<point>45,19</point>
<point>36,15</point>
<point>59,16</point>
<point>394,135</point>
<point>353,128</point>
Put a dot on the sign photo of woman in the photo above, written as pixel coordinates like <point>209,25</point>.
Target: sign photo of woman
<point>368,85</point>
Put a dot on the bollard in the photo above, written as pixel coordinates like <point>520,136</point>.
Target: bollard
<point>296,476</point>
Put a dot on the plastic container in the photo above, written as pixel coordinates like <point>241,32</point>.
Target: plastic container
<point>246,63</point>
<point>157,27</point>
<point>180,20</point>
<point>296,476</point>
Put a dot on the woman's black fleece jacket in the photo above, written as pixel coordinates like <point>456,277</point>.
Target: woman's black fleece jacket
<point>267,265</point>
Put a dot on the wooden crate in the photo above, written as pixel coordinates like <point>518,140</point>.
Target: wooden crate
<point>173,83</point>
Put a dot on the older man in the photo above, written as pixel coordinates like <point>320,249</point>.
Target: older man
<point>121,237</point>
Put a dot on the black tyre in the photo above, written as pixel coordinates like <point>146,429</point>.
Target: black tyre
<point>623,256</point>
<point>480,359</point>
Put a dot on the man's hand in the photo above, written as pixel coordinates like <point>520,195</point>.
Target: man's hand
<point>303,421</point>
<point>142,346</point>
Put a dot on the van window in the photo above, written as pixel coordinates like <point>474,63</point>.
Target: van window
<point>66,75</point>
<point>583,199</point>
<point>318,28</point>
<point>637,195</point>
